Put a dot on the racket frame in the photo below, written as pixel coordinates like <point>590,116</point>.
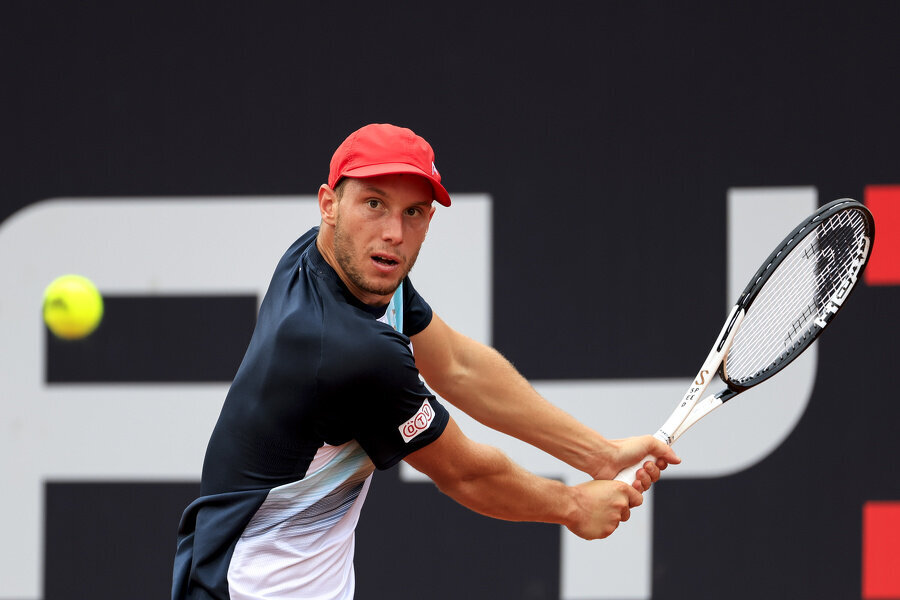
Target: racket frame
<point>781,252</point>
<point>691,409</point>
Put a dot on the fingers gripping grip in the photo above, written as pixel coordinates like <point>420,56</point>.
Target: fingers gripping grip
<point>629,474</point>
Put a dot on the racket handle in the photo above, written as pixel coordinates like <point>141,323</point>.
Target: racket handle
<point>629,474</point>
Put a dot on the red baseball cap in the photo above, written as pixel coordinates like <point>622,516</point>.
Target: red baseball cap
<point>382,149</point>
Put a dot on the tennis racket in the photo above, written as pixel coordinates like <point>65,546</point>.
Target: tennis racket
<point>790,300</point>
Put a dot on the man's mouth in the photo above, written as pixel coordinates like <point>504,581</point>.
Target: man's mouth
<point>384,260</point>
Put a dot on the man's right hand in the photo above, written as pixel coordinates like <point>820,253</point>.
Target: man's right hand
<point>602,505</point>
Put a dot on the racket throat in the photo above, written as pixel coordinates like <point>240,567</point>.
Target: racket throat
<point>726,395</point>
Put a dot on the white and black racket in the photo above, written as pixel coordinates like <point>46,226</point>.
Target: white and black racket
<point>788,302</point>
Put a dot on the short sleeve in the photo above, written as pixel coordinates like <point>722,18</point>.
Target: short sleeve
<point>416,312</point>
<point>373,393</point>
<point>400,415</point>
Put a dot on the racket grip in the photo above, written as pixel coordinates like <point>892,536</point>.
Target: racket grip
<point>629,474</point>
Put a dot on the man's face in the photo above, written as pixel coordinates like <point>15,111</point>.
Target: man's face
<point>380,225</point>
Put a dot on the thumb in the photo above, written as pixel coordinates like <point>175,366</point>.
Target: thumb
<point>662,450</point>
<point>635,498</point>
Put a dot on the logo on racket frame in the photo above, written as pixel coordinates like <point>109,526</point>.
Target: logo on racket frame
<point>701,379</point>
<point>698,387</point>
<point>837,299</point>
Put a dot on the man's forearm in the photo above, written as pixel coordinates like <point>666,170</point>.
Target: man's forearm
<point>506,491</point>
<point>485,480</point>
<point>489,389</point>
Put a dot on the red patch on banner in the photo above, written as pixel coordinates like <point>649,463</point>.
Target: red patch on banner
<point>881,550</point>
<point>884,264</point>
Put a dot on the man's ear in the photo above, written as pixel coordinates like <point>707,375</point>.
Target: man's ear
<point>328,204</point>
<point>430,216</point>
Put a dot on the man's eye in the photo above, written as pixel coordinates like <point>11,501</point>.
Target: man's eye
<point>372,203</point>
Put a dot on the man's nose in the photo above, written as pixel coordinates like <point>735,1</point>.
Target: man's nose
<point>393,229</point>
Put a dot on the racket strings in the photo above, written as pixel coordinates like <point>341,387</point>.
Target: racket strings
<point>783,315</point>
<point>796,298</point>
<point>801,285</point>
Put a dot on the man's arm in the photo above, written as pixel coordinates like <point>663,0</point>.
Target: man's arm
<point>481,382</point>
<point>485,480</point>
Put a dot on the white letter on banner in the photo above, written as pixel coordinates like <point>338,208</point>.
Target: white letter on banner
<point>130,246</point>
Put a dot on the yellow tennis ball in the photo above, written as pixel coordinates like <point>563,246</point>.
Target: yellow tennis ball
<point>72,307</point>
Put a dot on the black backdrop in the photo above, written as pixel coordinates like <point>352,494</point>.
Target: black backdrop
<point>589,124</point>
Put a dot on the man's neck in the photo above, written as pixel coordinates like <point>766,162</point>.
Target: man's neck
<point>325,245</point>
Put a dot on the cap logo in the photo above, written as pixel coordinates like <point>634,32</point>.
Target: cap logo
<point>434,170</point>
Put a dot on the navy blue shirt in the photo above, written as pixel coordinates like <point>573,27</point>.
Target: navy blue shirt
<point>320,369</point>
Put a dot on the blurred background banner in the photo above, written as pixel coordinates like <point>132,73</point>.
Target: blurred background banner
<point>599,155</point>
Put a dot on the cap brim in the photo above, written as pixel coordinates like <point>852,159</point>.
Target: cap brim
<point>440,194</point>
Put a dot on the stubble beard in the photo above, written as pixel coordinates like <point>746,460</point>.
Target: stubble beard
<point>344,253</point>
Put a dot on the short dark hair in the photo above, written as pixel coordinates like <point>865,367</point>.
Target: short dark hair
<point>339,187</point>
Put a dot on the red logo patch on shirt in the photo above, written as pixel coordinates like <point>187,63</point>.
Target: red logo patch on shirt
<point>418,423</point>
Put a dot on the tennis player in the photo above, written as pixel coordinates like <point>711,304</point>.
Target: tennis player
<point>331,389</point>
